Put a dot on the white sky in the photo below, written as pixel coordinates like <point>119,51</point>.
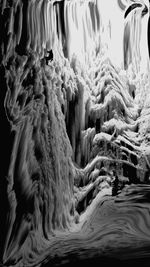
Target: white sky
<point>110,15</point>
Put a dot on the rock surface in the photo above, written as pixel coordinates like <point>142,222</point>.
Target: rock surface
<point>76,174</point>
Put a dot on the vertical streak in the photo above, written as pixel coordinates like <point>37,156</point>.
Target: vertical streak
<point>19,30</point>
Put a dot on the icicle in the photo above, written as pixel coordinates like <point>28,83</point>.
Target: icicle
<point>19,22</point>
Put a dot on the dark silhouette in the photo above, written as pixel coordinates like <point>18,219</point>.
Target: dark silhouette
<point>49,57</point>
<point>135,5</point>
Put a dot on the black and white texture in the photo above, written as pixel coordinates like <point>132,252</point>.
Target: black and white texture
<point>75,125</point>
